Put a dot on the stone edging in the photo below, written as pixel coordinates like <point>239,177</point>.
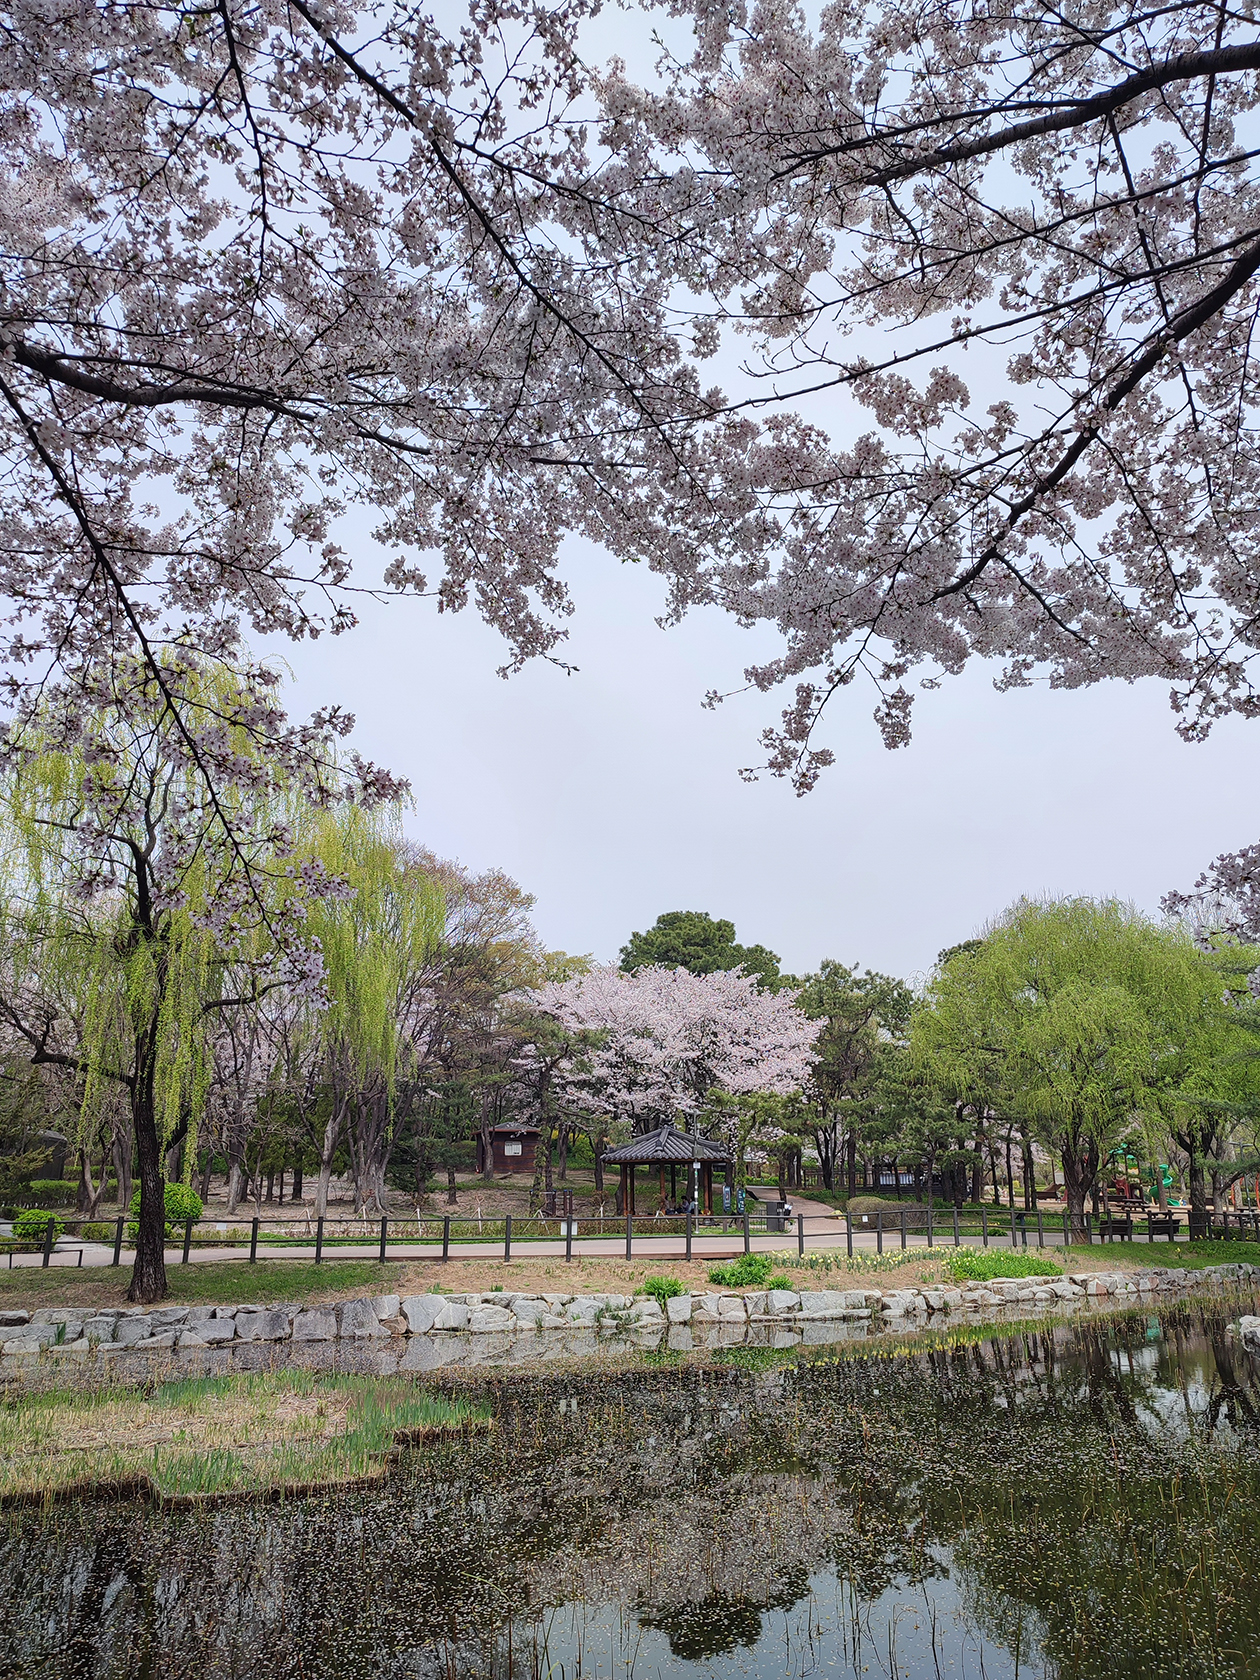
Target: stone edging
<point>82,1331</point>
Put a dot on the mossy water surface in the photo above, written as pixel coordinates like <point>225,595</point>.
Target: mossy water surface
<point>1073,1500</point>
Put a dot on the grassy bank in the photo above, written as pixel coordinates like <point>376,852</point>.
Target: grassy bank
<point>1129,1256</point>
<point>213,1436</point>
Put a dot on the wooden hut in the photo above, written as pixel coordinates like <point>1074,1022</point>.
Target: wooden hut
<point>512,1149</point>
<point>668,1147</point>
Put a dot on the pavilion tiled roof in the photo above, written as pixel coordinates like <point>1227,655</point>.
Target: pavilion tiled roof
<point>666,1143</point>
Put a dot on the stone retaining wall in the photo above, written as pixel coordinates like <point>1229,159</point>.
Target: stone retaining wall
<point>79,1331</point>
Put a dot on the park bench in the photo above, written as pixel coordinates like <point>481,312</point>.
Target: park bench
<point>1162,1225</point>
<point>1116,1228</point>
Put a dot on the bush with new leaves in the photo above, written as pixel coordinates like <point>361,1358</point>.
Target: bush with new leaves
<point>32,1226</point>
<point>51,1192</point>
<point>182,1202</point>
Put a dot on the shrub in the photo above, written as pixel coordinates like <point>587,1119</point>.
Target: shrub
<point>978,1265</point>
<point>661,1289</point>
<point>182,1202</point>
<point>750,1271</point>
<point>51,1192</point>
<point>32,1226</point>
<point>97,1230</point>
<point>780,1281</point>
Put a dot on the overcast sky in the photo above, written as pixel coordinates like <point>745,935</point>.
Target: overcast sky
<point>612,795</point>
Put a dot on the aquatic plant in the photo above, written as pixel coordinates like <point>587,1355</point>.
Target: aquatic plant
<point>195,1436</point>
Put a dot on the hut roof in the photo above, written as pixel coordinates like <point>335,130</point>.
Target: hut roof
<point>666,1143</point>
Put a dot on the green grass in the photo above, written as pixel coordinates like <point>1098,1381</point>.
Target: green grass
<point>208,1436</point>
<point>1194,1255</point>
<point>863,1262</point>
<point>979,1265</point>
<point>748,1271</point>
<point>661,1288</point>
<point>229,1280</point>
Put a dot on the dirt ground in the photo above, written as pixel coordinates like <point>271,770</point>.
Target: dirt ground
<point>299,1280</point>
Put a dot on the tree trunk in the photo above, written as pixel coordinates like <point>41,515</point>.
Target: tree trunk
<point>87,1196</point>
<point>452,1194</point>
<point>851,1174</point>
<point>597,1142</point>
<point>206,1175</point>
<point>487,1142</point>
<point>122,1168</point>
<point>1030,1175</point>
<point>148,1274</point>
<point>1198,1184</point>
<point>235,1186</point>
<point>1080,1171</point>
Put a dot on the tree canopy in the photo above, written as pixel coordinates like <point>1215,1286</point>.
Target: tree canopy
<point>694,940</point>
<point>1076,1016</point>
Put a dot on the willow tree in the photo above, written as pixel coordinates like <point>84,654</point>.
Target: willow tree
<point>1075,1017</point>
<point>380,941</point>
<point>128,885</point>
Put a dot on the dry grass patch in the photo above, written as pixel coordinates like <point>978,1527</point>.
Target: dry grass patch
<point>212,1436</point>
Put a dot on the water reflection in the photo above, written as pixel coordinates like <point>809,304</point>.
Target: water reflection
<point>1074,1502</point>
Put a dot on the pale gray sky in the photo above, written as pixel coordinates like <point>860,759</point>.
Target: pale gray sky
<point>612,795</point>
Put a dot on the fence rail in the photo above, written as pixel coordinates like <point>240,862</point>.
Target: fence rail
<point>994,1228</point>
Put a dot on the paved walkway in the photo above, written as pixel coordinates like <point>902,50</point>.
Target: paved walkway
<point>826,1237</point>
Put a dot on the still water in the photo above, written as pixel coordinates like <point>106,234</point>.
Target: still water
<point>1072,1501</point>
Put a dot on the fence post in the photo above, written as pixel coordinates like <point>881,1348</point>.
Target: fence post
<point>984,1225</point>
<point>1041,1230</point>
<point>384,1228</point>
<point>1089,1231</point>
<point>49,1229</point>
<point>253,1241</point>
<point>446,1237</point>
<point>1014,1231</point>
<point>929,1216</point>
<point>629,1233</point>
<point>879,1230</point>
<point>319,1240</point>
<point>507,1236</point>
<point>903,1227</point>
<point>118,1231</point>
<point>957,1237</point>
<point>747,1242</point>
<point>800,1233</point>
<point>188,1225</point>
<point>848,1231</point>
<point>1065,1228</point>
<point>689,1230</point>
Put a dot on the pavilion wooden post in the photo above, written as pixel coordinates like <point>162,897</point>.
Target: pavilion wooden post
<point>625,1193</point>
<point>673,1183</point>
<point>662,1175</point>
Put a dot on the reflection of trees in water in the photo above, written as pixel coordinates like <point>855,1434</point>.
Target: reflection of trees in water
<point>695,1501</point>
<point>719,1622</point>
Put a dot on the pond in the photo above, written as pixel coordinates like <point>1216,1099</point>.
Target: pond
<point>1073,1500</point>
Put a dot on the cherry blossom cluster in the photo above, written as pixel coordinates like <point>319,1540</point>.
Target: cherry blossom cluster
<point>983,281</point>
<point>671,1038</point>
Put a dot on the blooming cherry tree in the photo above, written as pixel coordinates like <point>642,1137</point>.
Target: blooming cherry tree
<point>672,1038</point>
